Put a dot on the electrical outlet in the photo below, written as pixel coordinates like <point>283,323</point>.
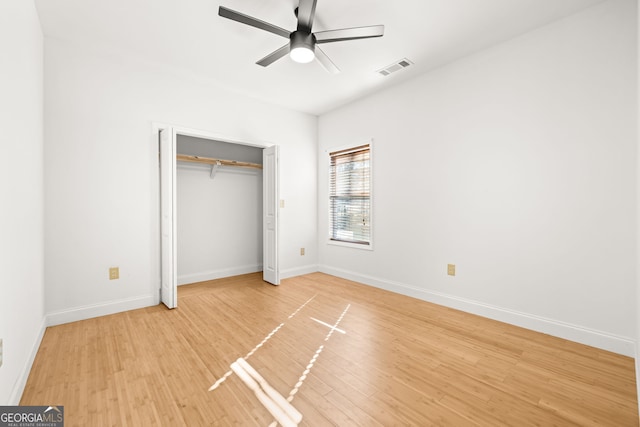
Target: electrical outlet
<point>301,251</point>
<point>0,351</point>
<point>114,273</point>
<point>451,269</point>
<point>282,203</point>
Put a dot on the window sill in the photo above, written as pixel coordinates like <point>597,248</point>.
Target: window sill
<point>368,247</point>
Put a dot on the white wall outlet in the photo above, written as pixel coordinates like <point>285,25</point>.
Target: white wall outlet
<point>301,251</point>
<point>0,352</point>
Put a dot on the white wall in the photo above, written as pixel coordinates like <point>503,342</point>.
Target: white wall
<point>101,177</point>
<point>637,354</point>
<point>518,165</point>
<point>21,192</point>
<point>219,222</point>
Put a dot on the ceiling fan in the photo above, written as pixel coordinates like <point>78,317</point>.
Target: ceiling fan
<point>302,46</point>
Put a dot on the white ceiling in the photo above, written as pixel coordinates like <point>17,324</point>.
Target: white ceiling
<point>190,35</point>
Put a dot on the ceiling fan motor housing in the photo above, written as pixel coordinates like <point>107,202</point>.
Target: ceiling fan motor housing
<point>302,46</point>
<point>302,39</point>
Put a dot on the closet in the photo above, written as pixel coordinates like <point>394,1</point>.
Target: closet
<point>219,209</point>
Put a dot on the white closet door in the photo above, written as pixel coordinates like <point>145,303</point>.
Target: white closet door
<point>270,199</point>
<point>168,225</point>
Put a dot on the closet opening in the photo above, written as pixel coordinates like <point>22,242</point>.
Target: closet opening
<point>219,201</point>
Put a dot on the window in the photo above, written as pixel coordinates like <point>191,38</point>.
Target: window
<point>350,196</point>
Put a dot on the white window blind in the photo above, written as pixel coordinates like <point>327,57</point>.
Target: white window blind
<point>350,195</point>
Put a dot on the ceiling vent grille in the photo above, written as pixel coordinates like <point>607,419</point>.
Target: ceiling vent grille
<point>396,66</point>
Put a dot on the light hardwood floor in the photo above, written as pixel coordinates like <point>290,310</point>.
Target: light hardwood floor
<point>399,362</point>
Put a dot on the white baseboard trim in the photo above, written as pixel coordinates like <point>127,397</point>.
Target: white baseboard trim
<point>298,271</point>
<point>637,356</point>
<point>218,274</point>
<point>591,337</point>
<point>21,382</point>
<point>102,309</point>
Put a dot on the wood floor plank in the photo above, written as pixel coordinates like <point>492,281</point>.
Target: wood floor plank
<point>395,360</point>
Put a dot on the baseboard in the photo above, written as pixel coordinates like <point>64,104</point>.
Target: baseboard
<point>97,310</point>
<point>218,274</point>
<point>298,271</point>
<point>637,356</point>
<point>591,337</point>
<point>21,382</point>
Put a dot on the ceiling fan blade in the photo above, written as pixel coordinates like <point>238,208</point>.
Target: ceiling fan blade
<point>324,60</point>
<point>306,13</point>
<point>349,34</point>
<point>274,56</point>
<point>248,20</point>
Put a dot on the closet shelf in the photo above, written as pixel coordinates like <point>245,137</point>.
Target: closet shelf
<point>210,161</point>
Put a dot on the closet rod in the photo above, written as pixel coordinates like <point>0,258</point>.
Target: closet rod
<point>210,161</point>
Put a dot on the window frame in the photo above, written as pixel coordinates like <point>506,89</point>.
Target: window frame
<point>330,240</point>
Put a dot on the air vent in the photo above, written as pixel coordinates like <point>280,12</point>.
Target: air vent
<point>396,66</point>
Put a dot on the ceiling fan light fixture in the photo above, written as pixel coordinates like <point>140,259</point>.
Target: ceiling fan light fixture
<point>302,55</point>
<point>302,47</point>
